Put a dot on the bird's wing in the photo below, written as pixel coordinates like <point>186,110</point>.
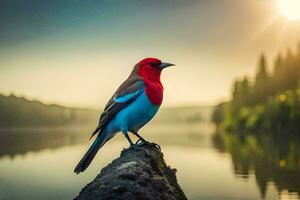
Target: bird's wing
<point>125,95</point>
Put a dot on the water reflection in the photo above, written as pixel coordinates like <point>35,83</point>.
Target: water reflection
<point>15,142</point>
<point>38,164</point>
<point>272,159</point>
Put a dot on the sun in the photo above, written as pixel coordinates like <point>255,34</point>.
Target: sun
<point>289,9</point>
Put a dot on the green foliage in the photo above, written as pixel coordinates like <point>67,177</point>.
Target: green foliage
<point>270,104</point>
<point>279,113</point>
<point>18,111</point>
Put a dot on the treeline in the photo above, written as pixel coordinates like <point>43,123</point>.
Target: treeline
<point>269,103</point>
<point>21,112</point>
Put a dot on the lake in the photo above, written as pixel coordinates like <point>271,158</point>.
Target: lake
<point>39,163</point>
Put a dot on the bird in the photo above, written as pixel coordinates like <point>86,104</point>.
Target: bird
<point>132,106</point>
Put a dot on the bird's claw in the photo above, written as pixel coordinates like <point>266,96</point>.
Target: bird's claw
<point>156,145</point>
<point>140,142</point>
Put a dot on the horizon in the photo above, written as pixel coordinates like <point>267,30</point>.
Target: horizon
<point>94,108</point>
<point>63,52</point>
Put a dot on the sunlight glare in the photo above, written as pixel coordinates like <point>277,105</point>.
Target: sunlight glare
<point>289,9</point>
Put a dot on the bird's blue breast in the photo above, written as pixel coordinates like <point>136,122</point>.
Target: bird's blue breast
<point>134,116</point>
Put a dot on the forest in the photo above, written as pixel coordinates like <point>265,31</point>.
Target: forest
<point>266,103</point>
<point>21,112</point>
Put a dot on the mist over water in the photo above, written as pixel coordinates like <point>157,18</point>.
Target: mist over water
<point>38,163</point>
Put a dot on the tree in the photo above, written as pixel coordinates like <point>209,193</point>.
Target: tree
<point>218,114</point>
<point>278,75</point>
<point>262,80</point>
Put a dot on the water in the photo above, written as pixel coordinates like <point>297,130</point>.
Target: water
<point>38,164</point>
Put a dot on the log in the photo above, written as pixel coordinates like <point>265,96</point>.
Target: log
<point>139,173</point>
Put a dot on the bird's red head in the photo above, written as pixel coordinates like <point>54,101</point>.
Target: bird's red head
<point>150,68</point>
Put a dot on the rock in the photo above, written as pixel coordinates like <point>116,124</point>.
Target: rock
<point>138,174</point>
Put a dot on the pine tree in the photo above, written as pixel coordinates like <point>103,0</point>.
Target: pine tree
<point>278,79</point>
<point>262,80</point>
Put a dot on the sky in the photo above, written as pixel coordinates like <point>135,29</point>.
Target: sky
<point>77,52</point>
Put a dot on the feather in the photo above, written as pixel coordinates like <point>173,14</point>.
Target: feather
<point>125,95</point>
<point>90,154</point>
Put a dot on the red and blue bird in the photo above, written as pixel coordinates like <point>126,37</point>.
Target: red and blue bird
<point>132,106</point>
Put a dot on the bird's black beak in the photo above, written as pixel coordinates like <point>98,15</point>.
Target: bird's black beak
<point>165,65</point>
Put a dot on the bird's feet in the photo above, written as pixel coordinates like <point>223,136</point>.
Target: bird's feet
<point>141,142</point>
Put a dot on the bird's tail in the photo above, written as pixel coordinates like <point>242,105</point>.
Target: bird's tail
<point>90,154</point>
